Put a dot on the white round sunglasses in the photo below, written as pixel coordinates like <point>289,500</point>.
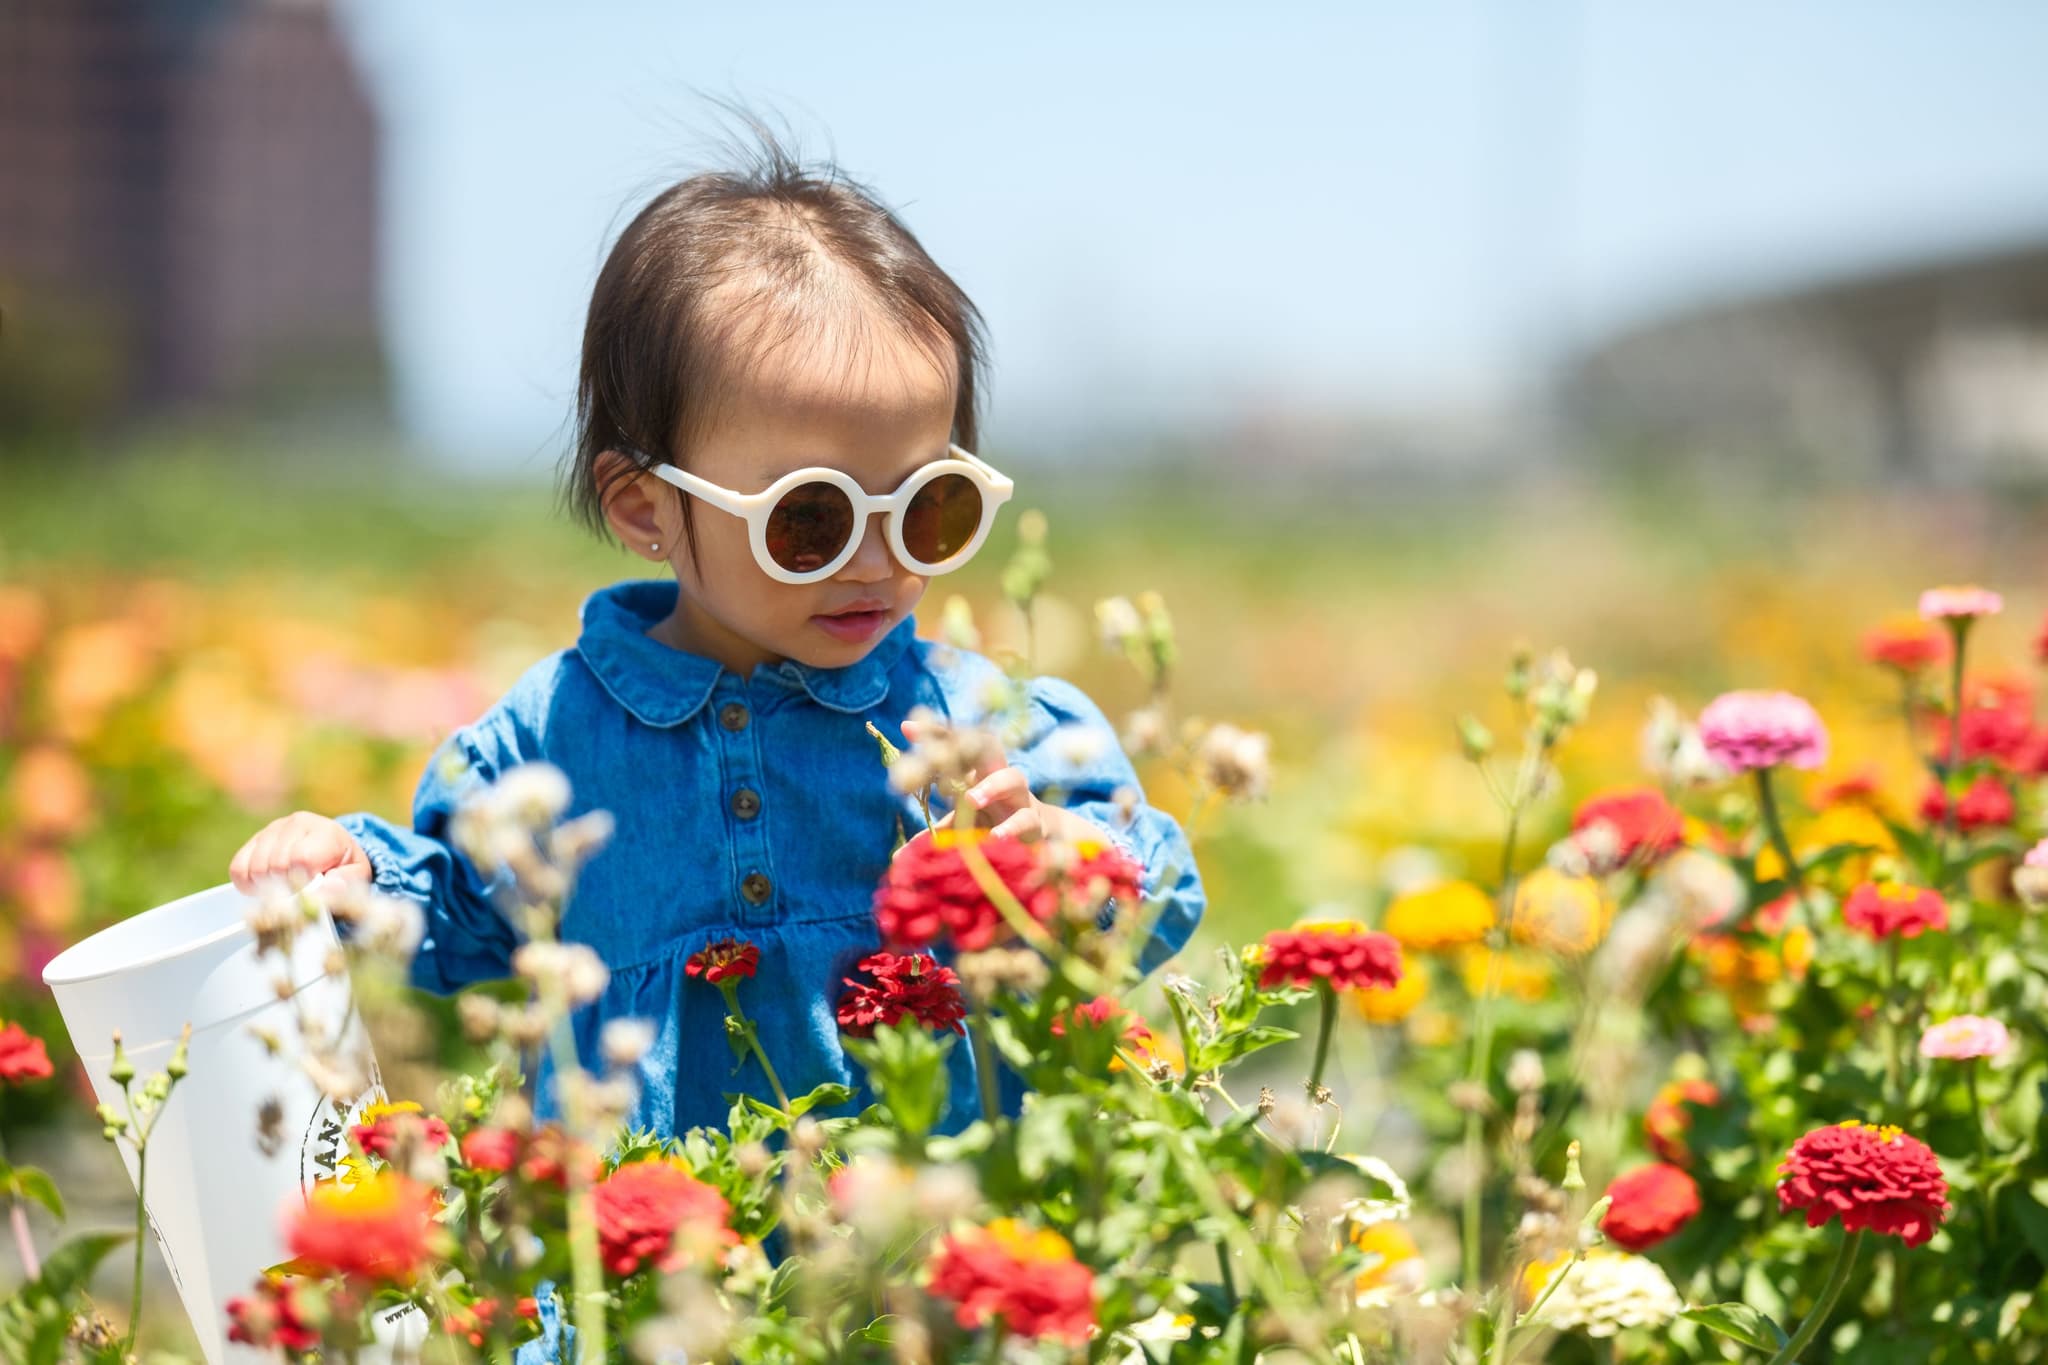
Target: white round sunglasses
<point>808,523</point>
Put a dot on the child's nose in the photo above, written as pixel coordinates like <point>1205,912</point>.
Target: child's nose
<point>872,562</point>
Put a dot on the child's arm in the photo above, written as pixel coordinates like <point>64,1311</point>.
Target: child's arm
<point>467,938</point>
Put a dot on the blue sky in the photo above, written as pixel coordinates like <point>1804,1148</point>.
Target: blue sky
<point>1173,214</point>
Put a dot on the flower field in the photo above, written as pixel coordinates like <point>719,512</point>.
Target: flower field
<point>1672,996</point>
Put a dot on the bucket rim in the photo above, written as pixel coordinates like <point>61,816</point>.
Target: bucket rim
<point>54,973</point>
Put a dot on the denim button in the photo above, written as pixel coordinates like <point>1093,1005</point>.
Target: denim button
<point>733,716</point>
<point>746,803</point>
<point>755,888</point>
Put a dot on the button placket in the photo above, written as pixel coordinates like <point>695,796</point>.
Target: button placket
<point>739,735</point>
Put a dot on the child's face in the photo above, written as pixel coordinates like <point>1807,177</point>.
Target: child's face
<point>879,417</point>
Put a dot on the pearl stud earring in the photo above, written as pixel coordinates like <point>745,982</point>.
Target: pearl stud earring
<point>653,545</point>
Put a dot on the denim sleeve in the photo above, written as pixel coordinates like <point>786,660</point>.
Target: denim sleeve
<point>1071,755</point>
<point>467,938</point>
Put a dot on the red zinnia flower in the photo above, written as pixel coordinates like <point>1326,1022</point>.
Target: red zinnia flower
<point>1882,909</point>
<point>471,1323</point>
<point>1026,1277</point>
<point>1668,1120</point>
<point>1342,952</point>
<point>1646,825</point>
<point>1650,1204</point>
<point>657,1211</point>
<point>490,1149</point>
<point>380,1136</point>
<point>1907,644</point>
<point>929,890</point>
<point>541,1158</point>
<point>1101,873</point>
<point>913,984</point>
<point>1869,1177</point>
<point>1100,1012</point>
<point>729,958</point>
<point>22,1056</point>
<point>376,1229</point>
<point>275,1315</point>
<point>1987,804</point>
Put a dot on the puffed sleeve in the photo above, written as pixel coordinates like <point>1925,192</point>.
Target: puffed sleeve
<point>467,938</point>
<point>1071,755</point>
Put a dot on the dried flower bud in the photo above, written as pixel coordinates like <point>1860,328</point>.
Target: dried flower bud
<point>625,1041</point>
<point>1474,739</point>
<point>1233,762</point>
<point>1525,1071</point>
<point>478,1016</point>
<point>1470,1097</point>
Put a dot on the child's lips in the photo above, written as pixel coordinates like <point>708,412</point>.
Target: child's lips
<point>853,626</point>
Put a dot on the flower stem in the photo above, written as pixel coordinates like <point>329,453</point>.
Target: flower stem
<point>731,991</point>
<point>1894,1058</point>
<point>1845,1260</point>
<point>984,1066</point>
<point>1959,632</point>
<point>587,1271</point>
<point>141,1230</point>
<point>1328,1026</point>
<point>1774,830</point>
<point>1983,1153</point>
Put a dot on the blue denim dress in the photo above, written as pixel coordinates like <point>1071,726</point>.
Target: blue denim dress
<point>751,807</point>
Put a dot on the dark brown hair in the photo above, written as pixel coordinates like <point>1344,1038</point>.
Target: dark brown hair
<point>724,266</point>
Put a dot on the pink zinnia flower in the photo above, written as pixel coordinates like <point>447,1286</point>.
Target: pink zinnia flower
<point>1748,730</point>
<point>1967,602</point>
<point>1965,1038</point>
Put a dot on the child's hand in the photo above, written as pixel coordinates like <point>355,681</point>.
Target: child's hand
<point>1003,804</point>
<point>297,849</point>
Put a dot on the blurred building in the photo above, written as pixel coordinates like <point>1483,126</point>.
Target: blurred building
<point>1934,371</point>
<point>188,212</point>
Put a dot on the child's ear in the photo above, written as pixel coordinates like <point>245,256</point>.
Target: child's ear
<point>638,507</point>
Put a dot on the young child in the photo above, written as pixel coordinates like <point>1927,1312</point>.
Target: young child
<point>776,404</point>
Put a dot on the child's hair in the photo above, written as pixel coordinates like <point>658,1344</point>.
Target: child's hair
<point>800,246</point>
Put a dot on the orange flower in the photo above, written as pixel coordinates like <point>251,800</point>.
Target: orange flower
<point>49,793</point>
<point>1442,916</point>
<point>1668,1120</point>
<point>379,1229</point>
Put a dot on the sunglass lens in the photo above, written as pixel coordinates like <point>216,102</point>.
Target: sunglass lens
<point>810,525</point>
<point>942,517</point>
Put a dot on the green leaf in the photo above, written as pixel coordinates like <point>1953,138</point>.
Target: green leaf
<point>1739,1322</point>
<point>1231,1046</point>
<point>881,1331</point>
<point>827,1094</point>
<point>30,1183</point>
<point>69,1268</point>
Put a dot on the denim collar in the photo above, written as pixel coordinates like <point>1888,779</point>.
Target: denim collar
<point>665,686</point>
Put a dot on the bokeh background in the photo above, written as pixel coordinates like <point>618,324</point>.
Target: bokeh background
<point>1692,338</point>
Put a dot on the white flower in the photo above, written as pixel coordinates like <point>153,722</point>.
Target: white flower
<point>1234,762</point>
<point>625,1041</point>
<point>1673,751</point>
<point>1387,1206</point>
<point>1608,1291</point>
<point>574,968</point>
<point>1117,621</point>
<point>1164,1325</point>
<point>1697,890</point>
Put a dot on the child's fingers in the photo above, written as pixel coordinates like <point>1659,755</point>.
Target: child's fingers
<point>1024,826</point>
<point>1000,795</point>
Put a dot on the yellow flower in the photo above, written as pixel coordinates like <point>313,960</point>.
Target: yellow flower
<point>1440,917</point>
<point>1397,1001</point>
<point>1516,977</point>
<point>1843,824</point>
<point>1396,1266</point>
<point>1561,913</point>
<point>1025,1243</point>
